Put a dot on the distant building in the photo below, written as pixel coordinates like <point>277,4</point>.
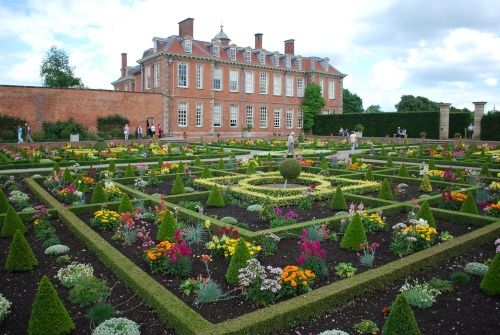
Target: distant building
<point>218,86</point>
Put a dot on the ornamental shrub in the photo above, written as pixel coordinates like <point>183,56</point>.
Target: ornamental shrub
<point>220,165</point>
<point>159,165</point>
<point>250,169</point>
<point>401,319</point>
<point>117,326</point>
<point>67,178</point>
<point>230,220</point>
<point>215,198</point>
<point>197,161</point>
<point>98,195</point>
<point>4,307</point>
<point>290,169</point>
<point>181,167</point>
<point>485,171</point>
<point>48,314</point>
<point>20,257</point>
<point>432,165</point>
<point>333,332</point>
<point>426,185</point>
<point>126,205</point>
<point>88,290</point>
<point>238,261</point>
<point>385,192</point>
<point>469,205</point>
<point>57,249</point>
<point>100,312</point>
<point>389,162</point>
<point>129,172</point>
<point>338,202</point>
<point>4,203</point>
<point>460,277</point>
<point>425,213</point>
<point>403,171</point>
<point>11,224</point>
<point>112,167</point>
<point>178,187</point>
<point>354,235</point>
<point>207,173</point>
<point>491,280</point>
<point>476,269</point>
<point>167,228</point>
<point>70,274</point>
<point>369,173</point>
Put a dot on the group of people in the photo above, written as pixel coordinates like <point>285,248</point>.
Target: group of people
<point>27,133</point>
<point>400,133</point>
<point>343,132</point>
<point>151,131</point>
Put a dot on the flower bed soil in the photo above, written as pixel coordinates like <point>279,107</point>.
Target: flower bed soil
<point>20,288</point>
<point>287,254</point>
<point>164,187</point>
<point>467,310</point>
<point>408,193</point>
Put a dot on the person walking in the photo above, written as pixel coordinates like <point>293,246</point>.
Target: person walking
<point>291,145</point>
<point>27,131</point>
<point>139,132</point>
<point>153,131</point>
<point>352,139</point>
<point>19,134</point>
<point>126,131</point>
<point>159,130</point>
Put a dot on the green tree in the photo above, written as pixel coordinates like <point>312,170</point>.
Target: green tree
<point>374,109</point>
<point>311,104</point>
<point>56,72</point>
<point>352,102</point>
<point>410,103</point>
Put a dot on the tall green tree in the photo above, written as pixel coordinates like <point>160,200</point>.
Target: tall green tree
<point>410,103</point>
<point>374,109</point>
<point>311,104</point>
<point>56,72</point>
<point>352,102</point>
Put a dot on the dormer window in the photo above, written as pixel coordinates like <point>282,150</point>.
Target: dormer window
<point>288,62</point>
<point>232,54</point>
<point>216,51</point>
<point>299,63</point>
<point>262,58</point>
<point>248,56</point>
<point>188,46</point>
<point>276,60</point>
<point>325,64</point>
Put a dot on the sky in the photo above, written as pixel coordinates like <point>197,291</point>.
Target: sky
<point>447,51</point>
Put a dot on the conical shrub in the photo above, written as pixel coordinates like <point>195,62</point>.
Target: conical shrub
<point>178,187</point>
<point>401,319</point>
<point>159,165</point>
<point>221,165</point>
<point>126,205</point>
<point>167,228</point>
<point>11,223</point>
<point>197,161</point>
<point>426,185</point>
<point>129,172</point>
<point>238,261</point>
<point>324,164</point>
<point>369,174</point>
<point>250,169</point>
<point>112,167</point>
<point>215,198</point>
<point>207,173</point>
<point>67,178</point>
<point>425,213</point>
<point>48,314</point>
<point>432,165</point>
<point>385,192</point>
<point>403,171</point>
<point>4,203</point>
<point>180,167</point>
<point>338,201</point>
<point>389,162</point>
<point>56,168</point>
<point>485,171</point>
<point>469,205</point>
<point>490,284</point>
<point>354,235</point>
<point>98,195</point>
<point>20,257</point>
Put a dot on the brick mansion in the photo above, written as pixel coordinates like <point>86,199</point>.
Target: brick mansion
<point>219,87</point>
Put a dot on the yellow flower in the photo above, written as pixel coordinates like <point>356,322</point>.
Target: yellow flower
<point>207,224</point>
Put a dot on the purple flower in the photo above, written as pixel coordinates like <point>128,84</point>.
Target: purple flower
<point>278,211</point>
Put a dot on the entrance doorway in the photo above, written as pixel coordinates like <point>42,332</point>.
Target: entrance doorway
<point>149,122</point>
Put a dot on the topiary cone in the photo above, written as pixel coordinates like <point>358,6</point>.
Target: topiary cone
<point>238,261</point>
<point>126,205</point>
<point>354,235</point>
<point>98,195</point>
<point>112,167</point>
<point>250,169</point>
<point>67,178</point>
<point>197,161</point>
<point>369,174</point>
<point>338,202</point>
<point>129,172</point>
<point>432,165</point>
<point>401,319</point>
<point>469,205</point>
<point>425,213</point>
<point>389,162</point>
<point>48,314</point>
<point>403,171</point>
<point>490,284</point>
<point>385,192</point>
<point>426,185</point>
<point>220,165</point>
<point>215,198</point>
<point>206,173</point>
<point>180,167</point>
<point>160,163</point>
<point>178,187</point>
<point>20,257</point>
<point>12,223</point>
<point>167,228</point>
<point>4,203</point>
<point>56,168</point>
<point>485,171</point>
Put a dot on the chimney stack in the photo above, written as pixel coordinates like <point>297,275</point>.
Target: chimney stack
<point>258,41</point>
<point>289,47</point>
<point>186,27</point>
<point>124,64</point>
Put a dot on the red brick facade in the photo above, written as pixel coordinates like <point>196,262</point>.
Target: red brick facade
<point>217,87</point>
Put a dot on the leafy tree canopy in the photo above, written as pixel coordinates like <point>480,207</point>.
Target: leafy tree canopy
<point>410,103</point>
<point>374,109</point>
<point>56,72</point>
<point>311,104</point>
<point>352,102</point>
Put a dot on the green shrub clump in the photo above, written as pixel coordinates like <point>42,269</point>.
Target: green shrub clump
<point>101,312</point>
<point>98,195</point>
<point>485,171</point>
<point>221,165</point>
<point>426,185</point>
<point>369,174</point>
<point>355,234</point>
<point>460,277</point>
<point>401,319</point>
<point>403,171</point>
<point>338,202</point>
<point>469,205</point>
<point>117,326</point>
<point>112,167</point>
<point>425,213</point>
<point>88,290</point>
<point>126,205</point>
<point>215,198</point>
<point>389,163</point>
<point>178,187</point>
<point>238,261</point>
<point>491,280</point>
<point>48,314</point>
<point>20,257</point>
<point>129,172</point>
<point>197,161</point>
<point>4,203</point>
<point>290,169</point>
<point>167,228</point>
<point>385,192</point>
<point>207,173</point>
<point>476,269</point>
<point>11,224</point>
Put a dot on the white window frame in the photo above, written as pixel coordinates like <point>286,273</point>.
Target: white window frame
<point>147,80</point>
<point>248,56</point>
<point>321,86</point>
<point>289,118</point>
<point>234,80</point>
<point>277,84</point>
<point>262,58</point>
<point>288,62</point>
<point>300,87</point>
<point>157,75</point>
<point>277,118</point>
<point>180,75</point>
<point>249,82</point>
<point>215,50</point>
<point>182,114</point>
<point>263,83</point>
<point>300,119</point>
<point>234,111</point>
<point>331,89</point>
<point>232,54</point>
<point>217,116</point>
<point>249,116</point>
<point>289,86</point>
<point>299,63</point>
<point>218,76</point>
<point>276,60</point>
<point>199,76</point>
<point>188,46</point>
<point>263,117</point>
<point>199,115</point>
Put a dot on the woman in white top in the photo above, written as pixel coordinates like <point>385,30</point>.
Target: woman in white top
<point>126,131</point>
